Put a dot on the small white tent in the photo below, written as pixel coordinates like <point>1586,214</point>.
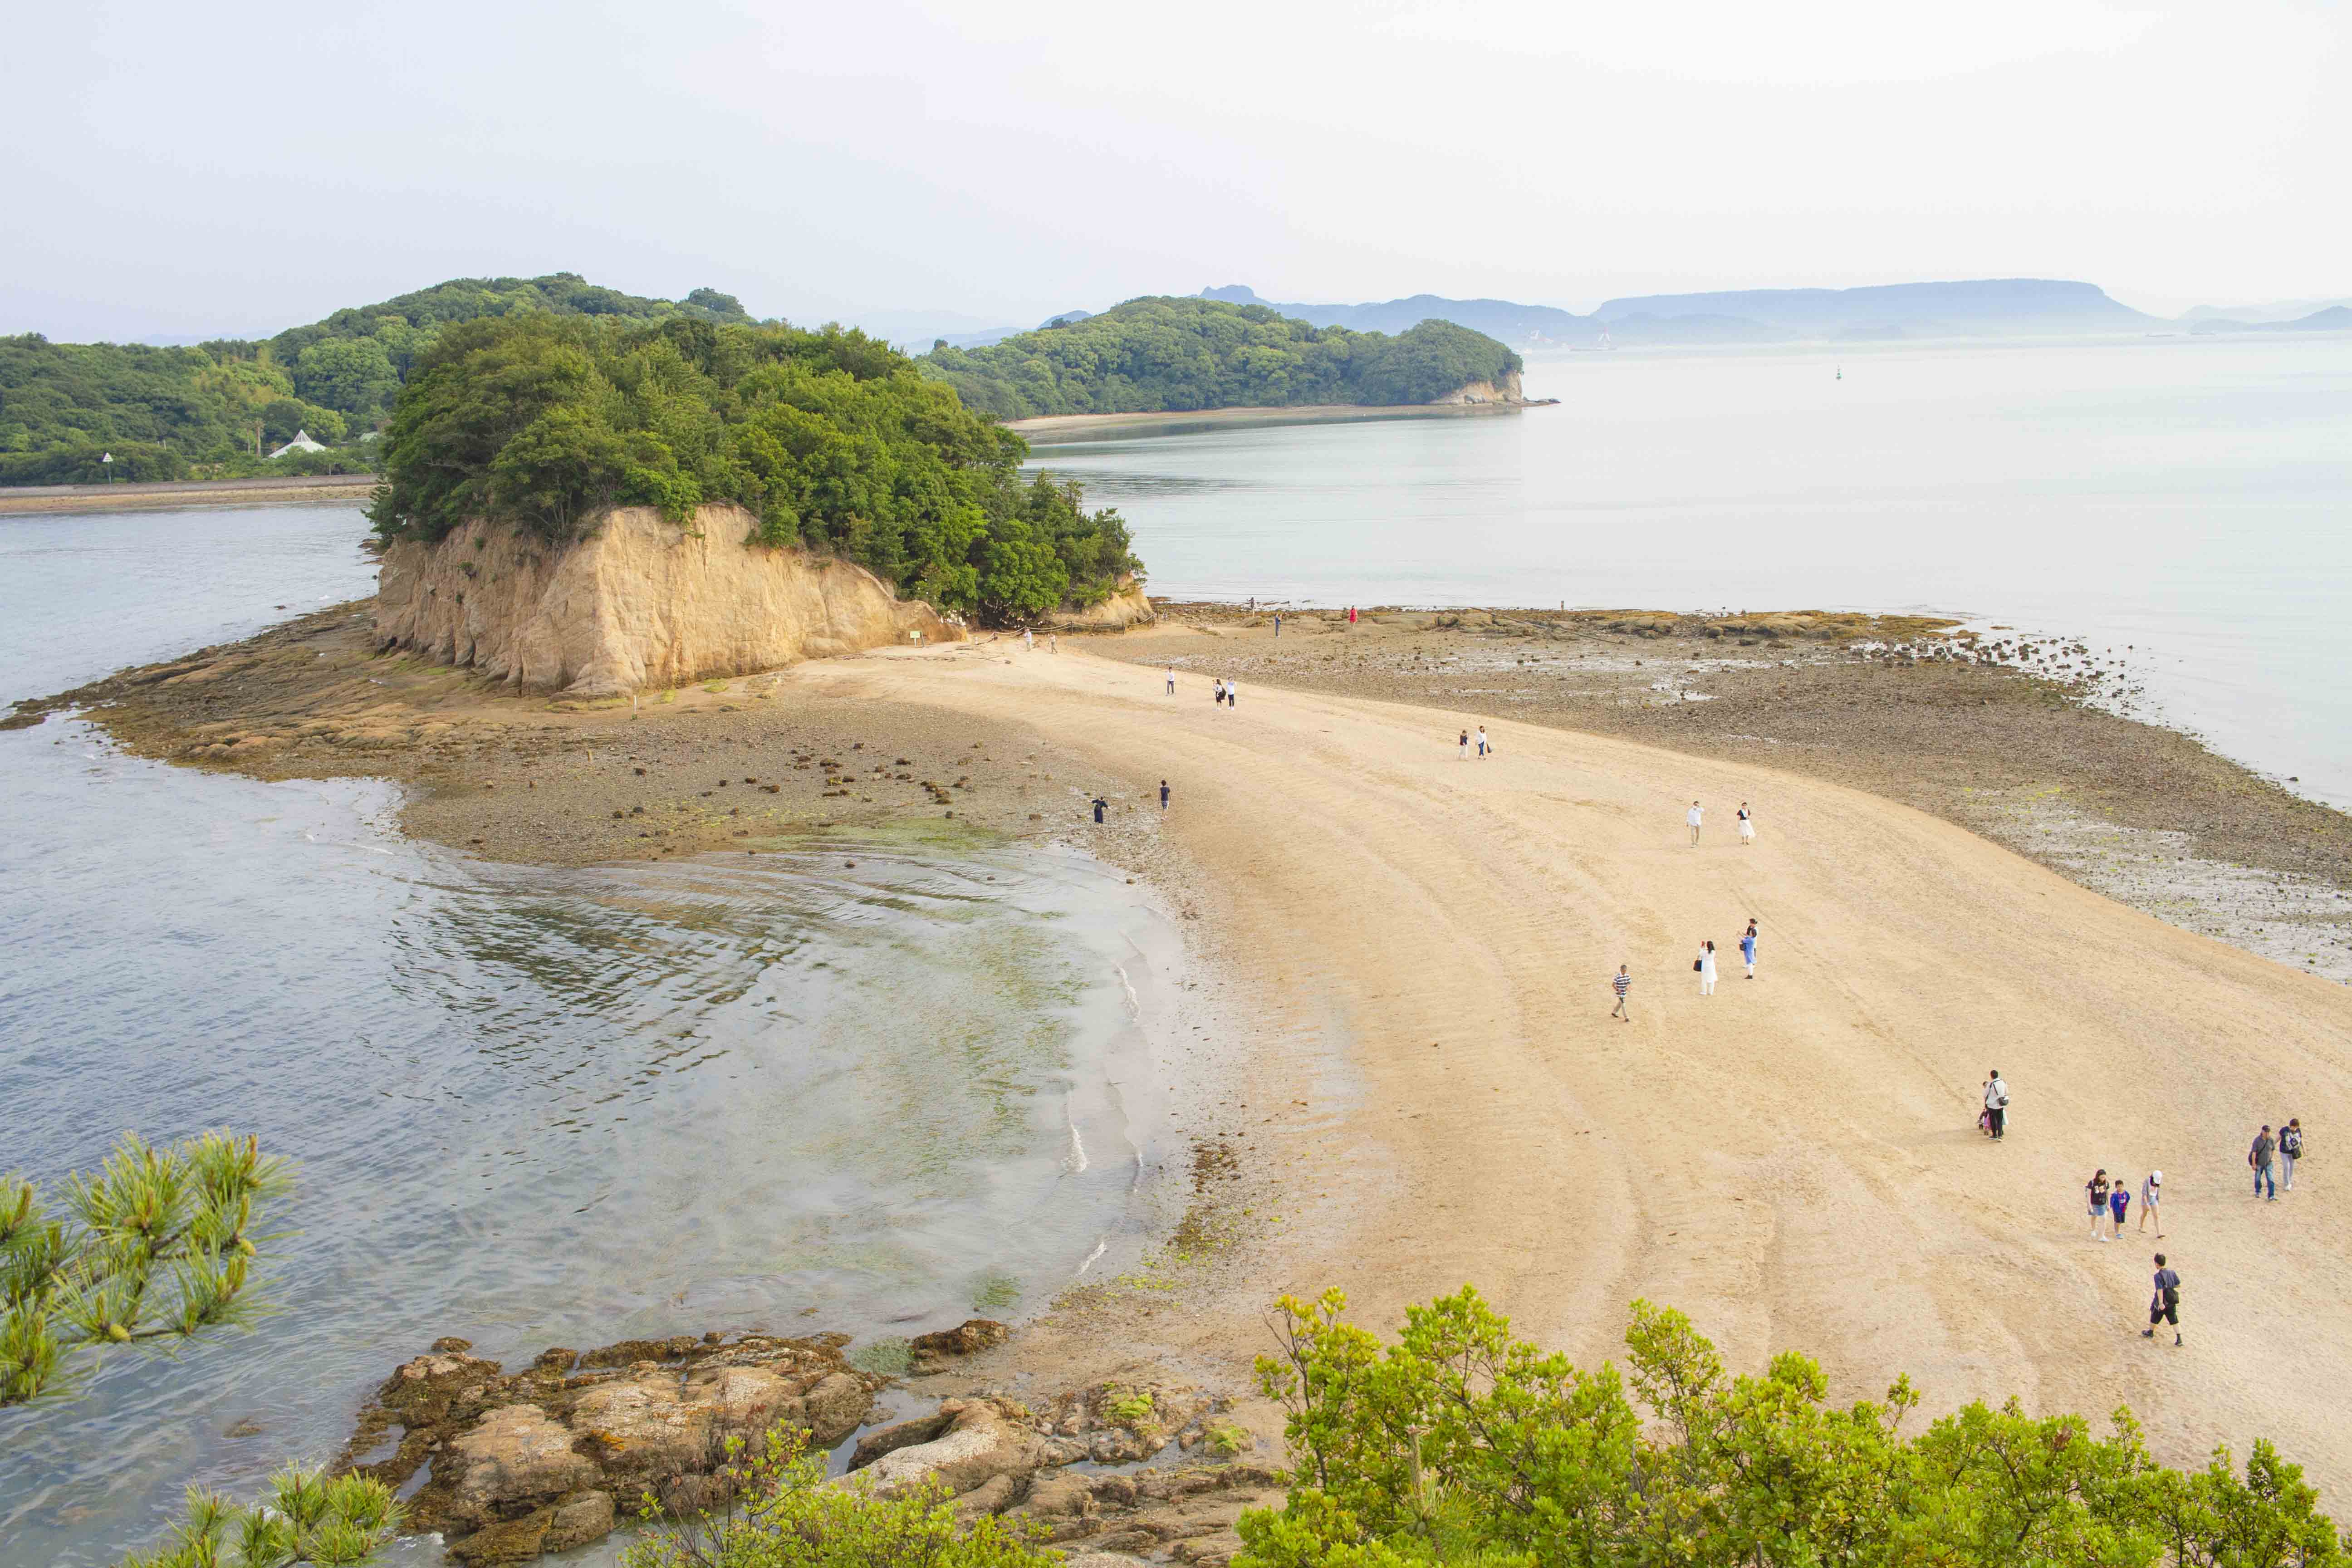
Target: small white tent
<point>301,443</point>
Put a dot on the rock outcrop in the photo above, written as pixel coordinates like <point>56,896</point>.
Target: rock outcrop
<point>1507,390</point>
<point>641,602</point>
<point>1128,605</point>
<point>547,1458</point>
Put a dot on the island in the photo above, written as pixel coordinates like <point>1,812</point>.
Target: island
<point>1165,354</point>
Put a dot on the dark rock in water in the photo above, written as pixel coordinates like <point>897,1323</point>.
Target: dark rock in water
<point>968,1338</point>
<point>452,1345</point>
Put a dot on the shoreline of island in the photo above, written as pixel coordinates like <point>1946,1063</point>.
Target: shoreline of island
<point>303,490</point>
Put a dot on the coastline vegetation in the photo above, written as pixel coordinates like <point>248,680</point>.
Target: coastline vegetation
<point>153,1249</point>
<point>214,410</point>
<point>1459,1444</point>
<point>832,440</point>
<point>1162,353</point>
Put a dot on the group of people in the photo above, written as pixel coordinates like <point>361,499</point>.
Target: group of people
<point>2111,1203</point>
<point>1704,965</point>
<point>1485,747</point>
<point>2271,1150</point>
<point>1053,642</point>
<point>1696,817</point>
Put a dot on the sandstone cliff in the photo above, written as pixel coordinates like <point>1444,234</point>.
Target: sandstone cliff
<point>1129,606</point>
<point>1508,390</point>
<point>641,602</point>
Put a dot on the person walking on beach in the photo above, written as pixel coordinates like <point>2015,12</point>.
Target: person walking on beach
<point>1463,754</point>
<point>1164,795</point>
<point>2151,1193</point>
<point>1219,691</point>
<point>2289,1149</point>
<point>2097,1187</point>
<point>2259,1157</point>
<point>1747,947</point>
<point>1053,642</point>
<point>1171,680</point>
<point>1747,825</point>
<point>1622,984</point>
<point>1100,805</point>
<point>2165,1305</point>
<point>1483,747</point>
<point>1028,640</point>
<point>1694,819</point>
<point>2118,1206</point>
<point>1996,1099</point>
<point>1705,967</point>
<point>1233,693</point>
<point>1277,623</point>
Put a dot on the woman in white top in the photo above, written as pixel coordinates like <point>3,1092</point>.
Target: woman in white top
<point>1707,969</point>
<point>1747,825</point>
<point>1483,747</point>
<point>1695,818</point>
<point>2151,1195</point>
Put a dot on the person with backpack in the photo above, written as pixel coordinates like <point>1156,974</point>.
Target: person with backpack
<point>2259,1157</point>
<point>2165,1305</point>
<point>2289,1149</point>
<point>1996,1099</point>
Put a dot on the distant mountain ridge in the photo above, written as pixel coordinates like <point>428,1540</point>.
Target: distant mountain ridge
<point>1970,308</point>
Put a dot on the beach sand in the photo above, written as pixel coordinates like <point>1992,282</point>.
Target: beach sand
<point>1397,1039</point>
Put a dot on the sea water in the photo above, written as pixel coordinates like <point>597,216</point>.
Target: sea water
<point>2186,502</point>
<point>525,1106</point>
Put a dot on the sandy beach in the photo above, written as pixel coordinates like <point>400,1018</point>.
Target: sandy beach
<point>1401,1039</point>
<point>1051,426</point>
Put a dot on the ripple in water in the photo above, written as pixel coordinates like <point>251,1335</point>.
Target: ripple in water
<point>539,1107</point>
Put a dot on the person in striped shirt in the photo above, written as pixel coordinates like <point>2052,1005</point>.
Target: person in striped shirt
<point>1621,985</point>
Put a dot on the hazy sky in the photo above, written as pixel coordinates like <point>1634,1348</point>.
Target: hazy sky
<point>173,168</point>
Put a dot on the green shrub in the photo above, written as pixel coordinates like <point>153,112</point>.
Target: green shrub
<point>786,1515</point>
<point>1458,1444</point>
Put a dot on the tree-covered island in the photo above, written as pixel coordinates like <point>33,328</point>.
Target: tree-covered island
<point>832,440</point>
<point>1167,354</point>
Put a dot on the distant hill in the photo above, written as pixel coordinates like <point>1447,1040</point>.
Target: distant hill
<point>1532,326</point>
<point>2335,319</point>
<point>1981,308</point>
<point>164,412</point>
<point>1161,354</point>
<point>1984,307</point>
<point>2276,310</point>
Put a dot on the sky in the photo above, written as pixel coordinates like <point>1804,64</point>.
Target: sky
<point>174,169</point>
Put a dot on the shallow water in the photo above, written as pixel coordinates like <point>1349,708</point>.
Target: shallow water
<point>2182,499</point>
<point>529,1107</point>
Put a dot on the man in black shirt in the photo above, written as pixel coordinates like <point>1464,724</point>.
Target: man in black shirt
<point>2163,1307</point>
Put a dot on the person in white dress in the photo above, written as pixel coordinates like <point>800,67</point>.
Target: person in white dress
<point>1747,825</point>
<point>1707,969</point>
<point>1695,817</point>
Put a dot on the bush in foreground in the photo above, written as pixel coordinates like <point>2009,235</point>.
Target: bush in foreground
<point>154,1248</point>
<point>1458,1444</point>
<point>307,1518</point>
<point>786,1515</point>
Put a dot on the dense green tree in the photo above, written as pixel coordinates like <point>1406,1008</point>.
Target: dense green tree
<point>831,440</point>
<point>1458,1445</point>
<point>1157,354</point>
<point>206,410</point>
<point>354,376</point>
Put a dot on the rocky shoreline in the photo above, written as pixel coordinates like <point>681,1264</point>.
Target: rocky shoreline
<point>509,1467</point>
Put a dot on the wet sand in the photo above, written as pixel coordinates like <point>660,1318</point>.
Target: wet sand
<point>1397,1056</point>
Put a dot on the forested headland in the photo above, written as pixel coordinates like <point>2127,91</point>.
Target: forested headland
<point>1162,354</point>
<point>832,440</point>
<point>213,410</point>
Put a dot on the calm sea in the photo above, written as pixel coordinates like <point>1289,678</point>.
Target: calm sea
<point>2185,501</point>
<point>527,1107</point>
